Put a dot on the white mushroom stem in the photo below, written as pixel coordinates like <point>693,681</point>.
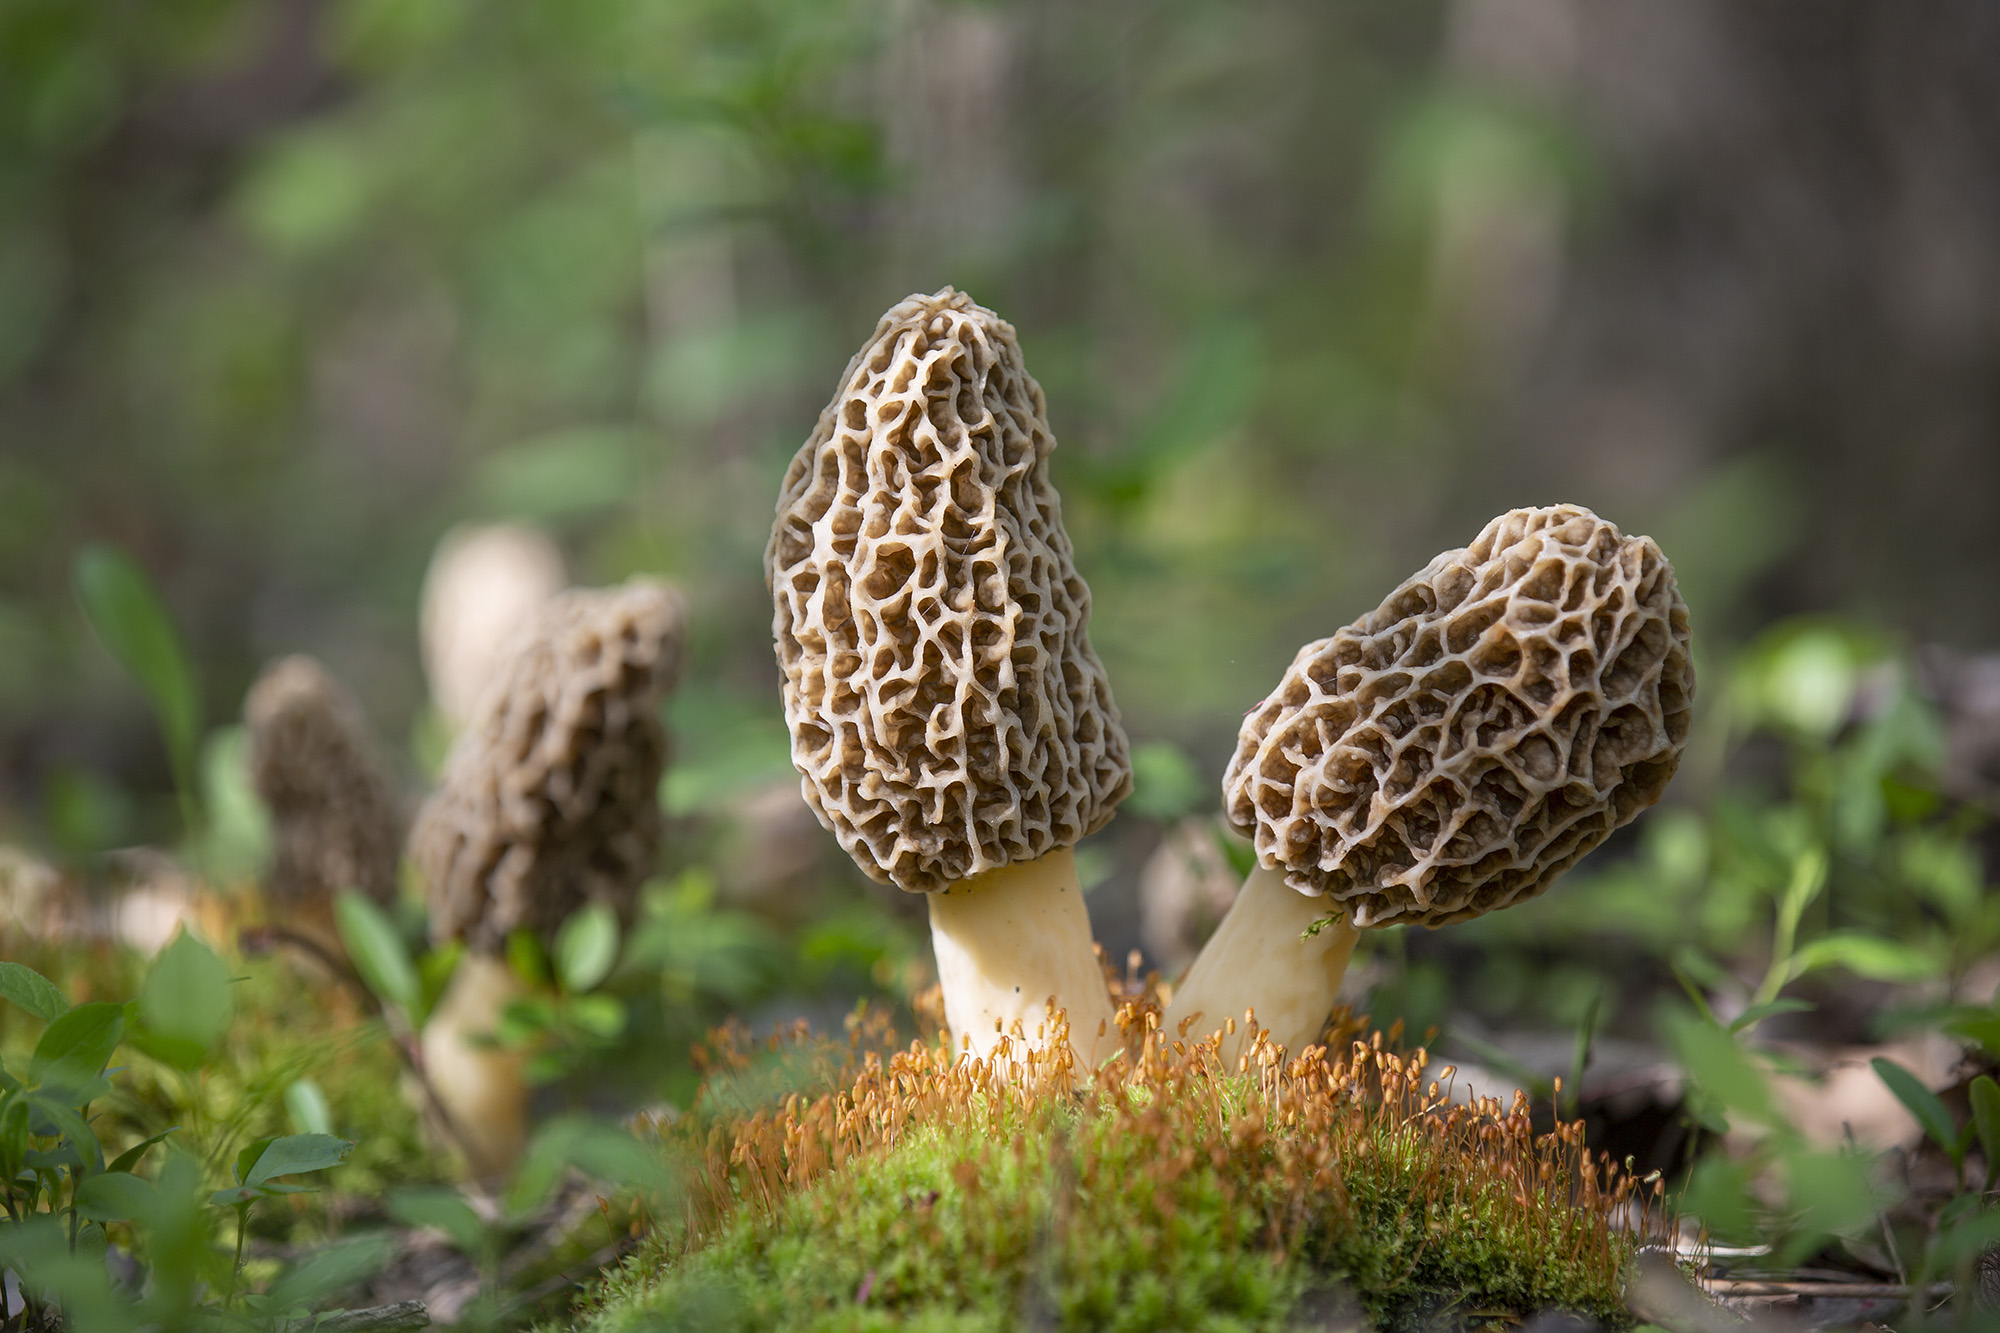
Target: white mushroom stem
<point>1259,959</point>
<point>479,1085</point>
<point>1010,939</point>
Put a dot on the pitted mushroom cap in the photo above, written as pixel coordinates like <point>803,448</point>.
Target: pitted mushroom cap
<point>1457,748</point>
<point>550,797</point>
<point>948,716</point>
<point>335,820</point>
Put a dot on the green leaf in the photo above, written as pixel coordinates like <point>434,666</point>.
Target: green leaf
<point>444,1210</point>
<point>306,1105</point>
<point>1866,956</point>
<point>1831,1194</point>
<point>331,1268</point>
<point>377,948</point>
<point>601,1016</point>
<point>1922,1103</point>
<point>185,1000</point>
<point>116,1196</point>
<point>1985,1098</point>
<point>13,1135</point>
<point>1980,1028</point>
<point>297,1153</point>
<point>1757,1013</point>
<point>133,624</point>
<point>32,991</point>
<point>586,948</point>
<point>1719,1065</point>
<point>78,1137</point>
<point>247,1155</point>
<point>77,1045</point>
<point>128,1159</point>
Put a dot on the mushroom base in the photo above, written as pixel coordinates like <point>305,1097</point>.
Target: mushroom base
<point>1009,942</point>
<point>1258,960</point>
<point>480,1088</point>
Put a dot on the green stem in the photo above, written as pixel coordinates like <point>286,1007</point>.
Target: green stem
<point>1808,878</point>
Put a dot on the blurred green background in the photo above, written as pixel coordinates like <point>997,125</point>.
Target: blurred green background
<point>290,287</point>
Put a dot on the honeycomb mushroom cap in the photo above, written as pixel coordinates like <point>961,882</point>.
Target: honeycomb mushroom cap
<point>550,797</point>
<point>336,822</point>
<point>1459,747</point>
<point>948,716</point>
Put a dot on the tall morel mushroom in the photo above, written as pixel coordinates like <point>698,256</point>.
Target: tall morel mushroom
<point>949,720</point>
<point>1449,754</point>
<point>549,802</point>
<point>335,820</point>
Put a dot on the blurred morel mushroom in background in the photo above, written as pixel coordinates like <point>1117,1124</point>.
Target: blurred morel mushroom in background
<point>484,586</point>
<point>335,817</point>
<point>1447,755</point>
<point>549,802</point>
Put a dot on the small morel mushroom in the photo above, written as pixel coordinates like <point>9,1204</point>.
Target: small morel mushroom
<point>549,802</point>
<point>1449,754</point>
<point>483,587</point>
<point>335,819</point>
<point>950,722</point>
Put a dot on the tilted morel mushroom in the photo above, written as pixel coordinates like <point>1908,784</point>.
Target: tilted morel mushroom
<point>1447,755</point>
<point>335,819</point>
<point>950,721</point>
<point>484,586</point>
<point>549,802</point>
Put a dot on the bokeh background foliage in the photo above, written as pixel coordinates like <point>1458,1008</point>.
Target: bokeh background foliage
<point>287,287</point>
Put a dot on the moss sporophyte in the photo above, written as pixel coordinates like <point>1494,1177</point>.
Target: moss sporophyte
<point>1170,1188</point>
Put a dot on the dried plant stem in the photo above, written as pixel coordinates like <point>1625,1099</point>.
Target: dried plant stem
<point>1260,958</point>
<point>1009,943</point>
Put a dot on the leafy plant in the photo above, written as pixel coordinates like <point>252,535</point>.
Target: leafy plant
<point>68,1198</point>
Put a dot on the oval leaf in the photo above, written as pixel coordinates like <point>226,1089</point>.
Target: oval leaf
<point>75,1047</point>
<point>586,947</point>
<point>1865,956</point>
<point>133,624</point>
<point>1922,1103</point>
<point>376,947</point>
<point>297,1153</point>
<point>116,1196</point>
<point>186,999</point>
<point>32,991</point>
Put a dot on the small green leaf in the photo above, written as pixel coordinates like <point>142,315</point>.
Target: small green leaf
<point>128,1159</point>
<point>297,1153</point>
<point>1757,1013</point>
<point>377,949</point>
<point>1980,1028</point>
<point>116,1196</point>
<point>1866,956</point>
<point>77,1045</point>
<point>132,621</point>
<point>185,1001</point>
<point>306,1105</point>
<point>1719,1065</point>
<point>247,1155</point>
<point>443,1210</point>
<point>586,948</point>
<point>1985,1098</point>
<point>1922,1103</point>
<point>601,1016</point>
<point>32,991</point>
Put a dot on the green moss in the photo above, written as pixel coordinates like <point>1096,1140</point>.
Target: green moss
<point>1109,1219</point>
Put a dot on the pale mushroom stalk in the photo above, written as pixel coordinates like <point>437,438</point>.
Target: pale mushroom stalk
<point>1447,755</point>
<point>1010,940</point>
<point>950,723</point>
<point>1261,960</point>
<point>548,803</point>
<point>478,1083</point>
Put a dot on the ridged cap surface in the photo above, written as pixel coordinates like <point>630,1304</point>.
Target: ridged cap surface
<point>550,797</point>
<point>1496,717</point>
<point>947,713</point>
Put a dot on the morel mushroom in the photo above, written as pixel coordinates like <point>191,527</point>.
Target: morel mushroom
<point>335,819</point>
<point>1449,754</point>
<point>549,802</point>
<point>949,720</point>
